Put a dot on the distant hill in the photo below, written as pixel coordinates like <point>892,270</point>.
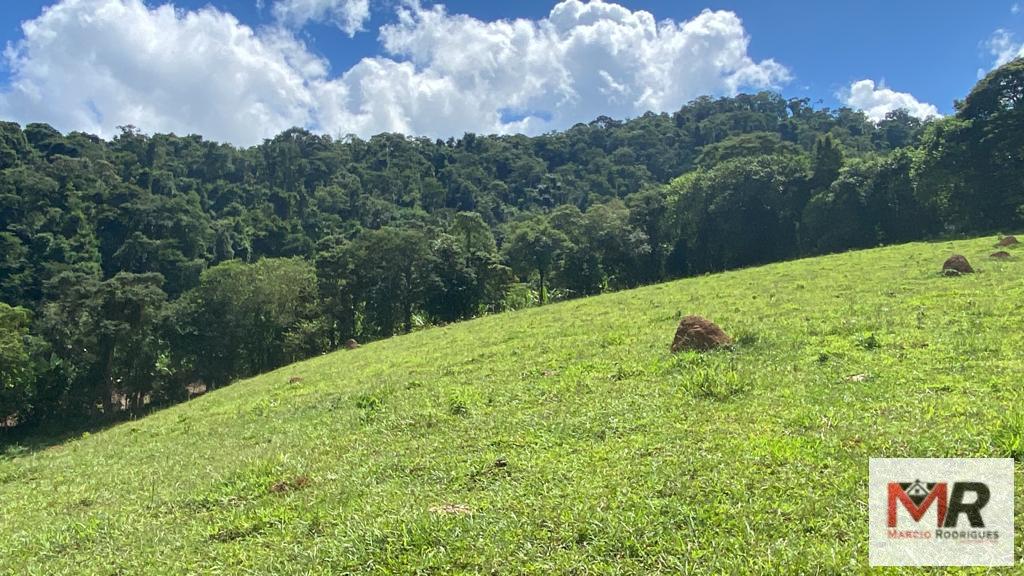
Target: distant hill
<point>135,270</point>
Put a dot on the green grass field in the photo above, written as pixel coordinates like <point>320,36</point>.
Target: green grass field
<point>564,439</point>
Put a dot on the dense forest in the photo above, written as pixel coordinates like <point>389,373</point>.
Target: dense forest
<point>136,270</point>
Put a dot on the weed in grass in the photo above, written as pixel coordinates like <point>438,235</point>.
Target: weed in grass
<point>869,342</point>
<point>458,406</point>
<point>369,403</point>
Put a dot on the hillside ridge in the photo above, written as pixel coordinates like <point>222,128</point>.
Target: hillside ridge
<point>558,438</point>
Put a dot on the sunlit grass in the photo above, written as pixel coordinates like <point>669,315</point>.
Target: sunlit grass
<point>564,439</point>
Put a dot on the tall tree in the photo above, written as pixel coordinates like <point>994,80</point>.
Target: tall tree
<point>827,160</point>
<point>393,275</point>
<point>17,369</point>
<point>476,235</point>
<point>994,171</point>
<point>236,322</point>
<point>534,246</point>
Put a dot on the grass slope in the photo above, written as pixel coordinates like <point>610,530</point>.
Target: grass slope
<point>564,439</point>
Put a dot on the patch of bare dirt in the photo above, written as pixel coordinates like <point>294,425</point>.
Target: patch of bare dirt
<point>451,510</point>
<point>290,485</point>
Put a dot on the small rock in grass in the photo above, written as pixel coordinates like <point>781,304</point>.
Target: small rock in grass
<point>859,378</point>
<point>701,334</point>
<point>351,344</point>
<point>958,263</point>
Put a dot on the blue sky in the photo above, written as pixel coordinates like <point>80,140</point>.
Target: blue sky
<point>242,70</point>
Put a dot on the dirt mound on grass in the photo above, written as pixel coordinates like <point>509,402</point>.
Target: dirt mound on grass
<point>1007,241</point>
<point>958,263</point>
<point>1001,255</point>
<point>351,344</point>
<point>696,333</point>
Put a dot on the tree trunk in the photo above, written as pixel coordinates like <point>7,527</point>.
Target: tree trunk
<point>543,292</point>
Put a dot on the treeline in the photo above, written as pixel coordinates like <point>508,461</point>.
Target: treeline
<point>135,269</point>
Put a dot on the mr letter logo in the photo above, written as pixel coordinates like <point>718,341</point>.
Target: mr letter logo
<point>917,498</point>
<point>962,515</point>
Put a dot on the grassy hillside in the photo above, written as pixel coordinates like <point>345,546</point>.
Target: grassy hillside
<point>564,439</point>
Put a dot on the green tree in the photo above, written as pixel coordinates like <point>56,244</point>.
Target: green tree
<point>899,129</point>
<point>106,336</point>
<point>394,273</point>
<point>994,146</point>
<point>237,321</point>
<point>336,282</point>
<point>649,214</point>
<point>476,235</point>
<point>893,203</point>
<point>827,160</point>
<point>942,168</point>
<point>17,369</point>
<point>458,293</point>
<point>838,218</point>
<point>620,246</point>
<point>535,246</point>
<point>740,213</point>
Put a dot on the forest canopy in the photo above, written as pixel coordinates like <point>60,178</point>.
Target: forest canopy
<point>134,269</point>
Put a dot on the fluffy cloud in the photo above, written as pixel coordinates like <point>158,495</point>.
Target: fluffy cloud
<point>1003,47</point>
<point>93,65</point>
<point>452,73</point>
<point>347,15</point>
<point>96,64</point>
<point>877,101</point>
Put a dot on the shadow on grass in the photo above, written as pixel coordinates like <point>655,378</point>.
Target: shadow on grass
<point>26,439</point>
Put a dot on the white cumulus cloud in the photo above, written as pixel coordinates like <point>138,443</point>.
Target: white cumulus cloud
<point>876,101</point>
<point>1003,48</point>
<point>95,64</point>
<point>347,15</point>
<point>451,73</point>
